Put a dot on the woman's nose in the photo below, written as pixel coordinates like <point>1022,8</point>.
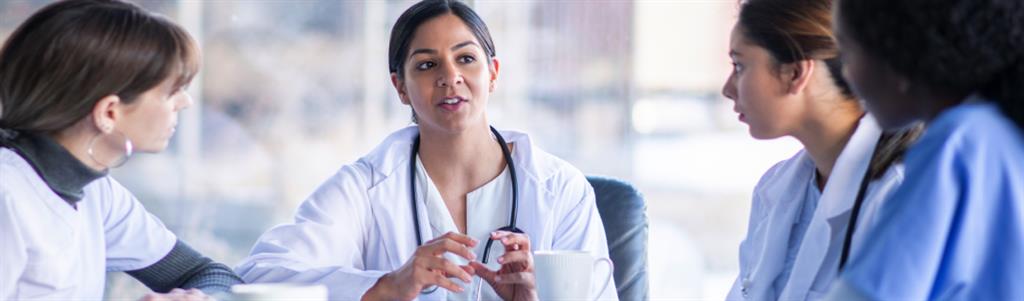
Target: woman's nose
<point>184,101</point>
<point>449,76</point>
<point>729,88</point>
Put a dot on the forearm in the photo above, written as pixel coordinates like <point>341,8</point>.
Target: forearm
<point>183,267</point>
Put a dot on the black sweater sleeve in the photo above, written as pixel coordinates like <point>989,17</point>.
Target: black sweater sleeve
<point>185,268</point>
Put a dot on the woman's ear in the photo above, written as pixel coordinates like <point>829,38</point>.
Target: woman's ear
<point>400,87</point>
<point>798,75</point>
<point>495,66</point>
<point>105,114</point>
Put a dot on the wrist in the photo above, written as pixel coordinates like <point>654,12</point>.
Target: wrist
<point>379,290</point>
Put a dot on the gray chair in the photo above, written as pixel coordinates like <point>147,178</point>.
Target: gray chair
<point>624,213</point>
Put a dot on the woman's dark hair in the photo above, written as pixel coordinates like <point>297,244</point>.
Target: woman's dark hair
<point>67,56</point>
<point>961,46</point>
<point>795,30</point>
<point>405,28</point>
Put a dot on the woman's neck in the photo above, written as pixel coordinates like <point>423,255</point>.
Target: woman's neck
<point>465,152</point>
<point>459,163</point>
<point>932,104</point>
<point>825,135</point>
<point>75,139</point>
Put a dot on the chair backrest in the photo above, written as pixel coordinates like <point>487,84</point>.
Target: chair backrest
<point>624,213</point>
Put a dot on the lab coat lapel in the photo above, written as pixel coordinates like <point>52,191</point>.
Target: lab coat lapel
<point>389,195</point>
<point>784,196</point>
<point>830,219</point>
<point>393,215</point>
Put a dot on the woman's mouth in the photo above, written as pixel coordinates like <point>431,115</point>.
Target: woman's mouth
<point>452,103</point>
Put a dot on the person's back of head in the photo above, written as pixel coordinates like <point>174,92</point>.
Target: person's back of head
<point>952,46</point>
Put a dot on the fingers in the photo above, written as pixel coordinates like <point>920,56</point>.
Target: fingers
<point>452,242</point>
<point>457,237</point>
<point>512,241</point>
<point>484,273</point>
<point>447,269</point>
<point>521,278</point>
<point>520,258</point>
<point>447,284</point>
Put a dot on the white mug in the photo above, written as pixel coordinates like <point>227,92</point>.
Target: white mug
<point>276,291</point>
<point>568,275</point>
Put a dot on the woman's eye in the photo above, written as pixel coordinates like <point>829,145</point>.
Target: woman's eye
<point>425,66</point>
<point>466,59</point>
<point>736,67</point>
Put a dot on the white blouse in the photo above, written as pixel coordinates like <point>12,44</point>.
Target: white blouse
<point>487,209</point>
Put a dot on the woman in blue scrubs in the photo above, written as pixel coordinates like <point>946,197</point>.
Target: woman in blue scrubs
<point>955,228</point>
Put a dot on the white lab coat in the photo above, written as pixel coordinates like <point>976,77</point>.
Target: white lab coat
<point>357,225</point>
<point>776,207</point>
<point>50,250</point>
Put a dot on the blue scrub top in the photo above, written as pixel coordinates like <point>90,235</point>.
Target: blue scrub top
<point>955,229</point>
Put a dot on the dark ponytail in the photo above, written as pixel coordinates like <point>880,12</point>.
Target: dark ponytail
<point>891,148</point>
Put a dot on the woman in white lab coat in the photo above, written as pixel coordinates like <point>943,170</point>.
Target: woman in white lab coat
<point>413,215</point>
<point>809,212</point>
<point>83,83</point>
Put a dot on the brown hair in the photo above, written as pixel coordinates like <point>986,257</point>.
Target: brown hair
<point>67,56</point>
<point>796,30</point>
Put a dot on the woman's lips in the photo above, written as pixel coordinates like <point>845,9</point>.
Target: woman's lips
<point>453,103</point>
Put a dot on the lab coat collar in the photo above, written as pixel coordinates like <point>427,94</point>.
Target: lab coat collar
<point>389,163</point>
<point>393,154</point>
<point>832,215</point>
<point>852,163</point>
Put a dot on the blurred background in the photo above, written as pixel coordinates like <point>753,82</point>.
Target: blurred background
<point>291,90</point>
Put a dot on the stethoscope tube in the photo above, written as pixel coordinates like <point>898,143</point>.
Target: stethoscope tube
<point>515,195</point>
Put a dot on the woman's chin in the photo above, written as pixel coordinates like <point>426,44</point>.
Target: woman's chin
<point>762,135</point>
<point>152,147</point>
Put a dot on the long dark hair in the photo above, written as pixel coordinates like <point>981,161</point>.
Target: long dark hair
<point>405,28</point>
<point>70,54</point>
<point>961,46</point>
<point>796,30</point>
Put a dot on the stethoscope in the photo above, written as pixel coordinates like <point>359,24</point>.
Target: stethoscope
<point>851,225</point>
<point>515,198</point>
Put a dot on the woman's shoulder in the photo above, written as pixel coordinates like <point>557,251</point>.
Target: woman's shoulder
<point>976,124</point>
<point>969,135</point>
<point>785,174</point>
<point>540,164</point>
<point>16,174</point>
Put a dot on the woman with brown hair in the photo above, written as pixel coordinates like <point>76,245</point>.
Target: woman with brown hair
<point>807,209</point>
<point>84,84</point>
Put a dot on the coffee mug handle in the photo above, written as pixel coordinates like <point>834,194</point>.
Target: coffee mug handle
<point>607,280</point>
